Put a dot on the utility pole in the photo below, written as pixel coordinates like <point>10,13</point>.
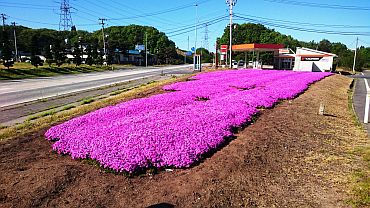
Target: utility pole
<point>146,49</point>
<point>102,23</point>
<point>186,51</point>
<point>196,27</point>
<point>354,59</point>
<point>3,17</point>
<point>216,55</point>
<point>15,42</point>
<point>231,3</point>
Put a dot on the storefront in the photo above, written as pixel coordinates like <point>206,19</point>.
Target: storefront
<point>257,48</point>
<point>313,60</point>
<point>304,59</point>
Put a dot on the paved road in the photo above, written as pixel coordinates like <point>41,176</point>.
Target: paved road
<point>359,95</point>
<point>20,91</point>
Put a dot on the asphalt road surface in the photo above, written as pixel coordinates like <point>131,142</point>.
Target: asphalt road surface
<point>21,91</point>
<point>359,96</point>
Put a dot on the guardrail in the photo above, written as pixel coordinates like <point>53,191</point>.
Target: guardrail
<point>367,102</point>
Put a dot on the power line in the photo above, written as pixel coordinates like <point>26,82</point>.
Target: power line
<point>191,29</point>
<point>165,21</point>
<point>331,32</point>
<point>306,24</point>
<point>199,23</point>
<point>26,7</point>
<point>364,42</point>
<point>319,5</point>
<point>162,11</point>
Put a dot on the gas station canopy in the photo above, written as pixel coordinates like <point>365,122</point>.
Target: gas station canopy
<point>257,47</point>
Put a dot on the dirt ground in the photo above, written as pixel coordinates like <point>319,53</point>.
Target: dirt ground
<point>290,157</point>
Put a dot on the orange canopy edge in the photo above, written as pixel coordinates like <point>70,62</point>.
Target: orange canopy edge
<point>257,47</point>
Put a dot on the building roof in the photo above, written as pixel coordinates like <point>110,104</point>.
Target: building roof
<point>257,47</point>
<point>313,53</point>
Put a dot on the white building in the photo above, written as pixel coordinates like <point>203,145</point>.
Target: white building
<point>313,60</point>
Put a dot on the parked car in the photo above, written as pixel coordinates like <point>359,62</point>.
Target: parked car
<point>250,64</point>
<point>241,63</point>
<point>234,64</point>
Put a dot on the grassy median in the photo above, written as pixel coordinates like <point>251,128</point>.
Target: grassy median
<point>26,70</point>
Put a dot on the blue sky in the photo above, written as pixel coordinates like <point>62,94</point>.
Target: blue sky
<point>177,24</point>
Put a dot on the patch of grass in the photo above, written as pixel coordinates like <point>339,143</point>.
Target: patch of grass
<point>87,101</point>
<point>361,178</point>
<point>24,70</point>
<point>67,107</point>
<point>43,100</point>
<point>43,114</point>
<point>119,91</point>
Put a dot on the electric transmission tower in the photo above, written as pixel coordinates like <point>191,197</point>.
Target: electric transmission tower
<point>65,22</point>
<point>206,44</point>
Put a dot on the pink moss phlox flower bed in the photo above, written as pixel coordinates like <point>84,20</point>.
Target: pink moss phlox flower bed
<point>177,128</point>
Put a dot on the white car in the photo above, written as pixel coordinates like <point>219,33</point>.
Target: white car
<point>235,65</point>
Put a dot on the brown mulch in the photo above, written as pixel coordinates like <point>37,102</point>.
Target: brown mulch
<point>281,160</point>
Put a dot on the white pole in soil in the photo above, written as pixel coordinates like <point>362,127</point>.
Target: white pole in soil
<point>367,102</point>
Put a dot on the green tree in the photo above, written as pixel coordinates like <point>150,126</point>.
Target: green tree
<point>48,55</point>
<point>89,59</point>
<point>58,52</point>
<point>77,54</point>
<point>109,58</point>
<point>35,59</point>
<point>324,45</point>
<point>99,59</point>
<point>6,52</point>
<point>206,56</point>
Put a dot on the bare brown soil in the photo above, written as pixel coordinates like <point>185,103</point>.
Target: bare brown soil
<point>290,157</point>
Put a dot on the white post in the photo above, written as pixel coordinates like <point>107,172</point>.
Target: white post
<point>366,116</point>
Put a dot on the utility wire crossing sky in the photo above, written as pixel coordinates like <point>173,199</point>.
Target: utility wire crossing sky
<point>339,21</point>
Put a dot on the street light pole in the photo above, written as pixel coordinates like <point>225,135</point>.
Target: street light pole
<point>146,49</point>
<point>231,3</point>
<point>355,57</point>
<point>15,42</point>
<point>102,29</point>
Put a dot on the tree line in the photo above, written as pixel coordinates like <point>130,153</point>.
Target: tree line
<point>258,33</point>
<point>55,45</point>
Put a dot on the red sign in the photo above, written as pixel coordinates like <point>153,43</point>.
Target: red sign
<point>311,58</point>
<point>224,48</point>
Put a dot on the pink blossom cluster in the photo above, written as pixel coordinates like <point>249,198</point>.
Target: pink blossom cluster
<point>177,128</point>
